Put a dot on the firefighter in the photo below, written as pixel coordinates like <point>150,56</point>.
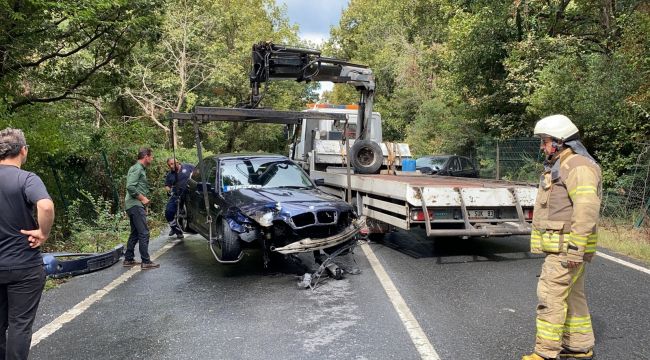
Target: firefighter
<point>565,222</point>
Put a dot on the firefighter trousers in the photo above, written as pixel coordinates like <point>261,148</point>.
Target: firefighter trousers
<point>562,313</point>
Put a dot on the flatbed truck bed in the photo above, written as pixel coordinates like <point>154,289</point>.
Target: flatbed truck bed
<point>444,206</point>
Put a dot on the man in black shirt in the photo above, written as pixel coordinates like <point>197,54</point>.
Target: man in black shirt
<point>21,266</point>
<point>175,184</point>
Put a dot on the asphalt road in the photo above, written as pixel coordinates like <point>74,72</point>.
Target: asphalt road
<point>474,299</point>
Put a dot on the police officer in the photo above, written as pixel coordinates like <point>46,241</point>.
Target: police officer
<point>565,222</point>
<point>175,184</point>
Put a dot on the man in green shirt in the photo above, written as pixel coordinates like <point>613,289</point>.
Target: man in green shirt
<point>137,190</point>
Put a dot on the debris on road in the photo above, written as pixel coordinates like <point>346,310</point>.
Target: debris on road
<point>58,265</point>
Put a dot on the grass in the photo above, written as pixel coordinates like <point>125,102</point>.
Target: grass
<point>625,240</point>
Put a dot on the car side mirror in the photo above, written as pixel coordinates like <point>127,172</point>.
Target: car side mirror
<point>319,182</point>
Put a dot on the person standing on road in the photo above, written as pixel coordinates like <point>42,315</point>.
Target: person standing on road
<point>565,222</point>
<point>175,184</point>
<point>137,190</point>
<point>22,276</point>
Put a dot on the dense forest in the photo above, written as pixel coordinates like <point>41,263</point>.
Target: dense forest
<point>91,81</point>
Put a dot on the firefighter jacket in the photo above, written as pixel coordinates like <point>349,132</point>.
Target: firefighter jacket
<point>567,207</point>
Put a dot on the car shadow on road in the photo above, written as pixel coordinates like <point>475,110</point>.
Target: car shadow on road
<point>450,250</point>
<point>195,250</point>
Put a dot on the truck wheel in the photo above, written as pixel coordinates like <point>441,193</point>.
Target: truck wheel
<point>366,157</point>
<point>230,247</point>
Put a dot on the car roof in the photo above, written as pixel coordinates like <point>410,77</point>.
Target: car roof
<point>228,156</point>
<point>435,156</point>
<point>442,156</point>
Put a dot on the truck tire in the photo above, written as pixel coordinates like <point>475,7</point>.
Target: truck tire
<point>230,247</point>
<point>366,157</point>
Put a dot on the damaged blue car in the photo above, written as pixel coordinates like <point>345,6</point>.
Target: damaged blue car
<point>264,201</point>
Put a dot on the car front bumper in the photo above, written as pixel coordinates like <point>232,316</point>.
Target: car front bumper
<point>308,244</point>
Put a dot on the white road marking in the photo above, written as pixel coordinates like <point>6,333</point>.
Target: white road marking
<point>623,262</point>
<point>78,309</point>
<point>419,338</point>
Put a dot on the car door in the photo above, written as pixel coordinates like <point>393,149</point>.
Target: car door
<point>453,166</point>
<point>215,198</point>
<point>193,198</point>
<point>468,169</point>
<point>195,185</point>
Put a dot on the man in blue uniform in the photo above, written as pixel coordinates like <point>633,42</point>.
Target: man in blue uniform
<point>175,184</point>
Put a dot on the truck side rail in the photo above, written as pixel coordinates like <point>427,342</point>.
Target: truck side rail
<point>393,200</point>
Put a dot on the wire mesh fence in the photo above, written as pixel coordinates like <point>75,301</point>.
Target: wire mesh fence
<point>628,201</point>
<point>511,159</point>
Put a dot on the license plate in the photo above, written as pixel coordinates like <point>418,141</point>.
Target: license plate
<point>481,214</point>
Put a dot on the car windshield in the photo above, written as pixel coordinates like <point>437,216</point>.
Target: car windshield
<point>262,173</point>
<point>431,162</point>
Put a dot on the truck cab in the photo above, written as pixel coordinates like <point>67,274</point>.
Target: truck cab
<point>324,139</point>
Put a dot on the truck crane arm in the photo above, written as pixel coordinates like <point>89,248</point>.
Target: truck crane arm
<point>279,62</point>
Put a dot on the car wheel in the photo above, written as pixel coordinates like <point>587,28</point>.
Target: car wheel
<point>230,247</point>
<point>366,157</point>
<point>183,218</point>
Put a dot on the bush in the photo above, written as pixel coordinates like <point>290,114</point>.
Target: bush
<point>93,226</point>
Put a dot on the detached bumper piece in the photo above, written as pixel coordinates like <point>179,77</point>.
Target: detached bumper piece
<point>308,244</point>
<point>58,265</point>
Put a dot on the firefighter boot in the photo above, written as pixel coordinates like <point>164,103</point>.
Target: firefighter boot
<point>570,355</point>
<point>533,356</point>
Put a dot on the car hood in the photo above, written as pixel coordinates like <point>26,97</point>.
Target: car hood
<point>253,202</point>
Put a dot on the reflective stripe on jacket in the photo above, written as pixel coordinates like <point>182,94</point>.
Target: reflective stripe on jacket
<point>567,208</point>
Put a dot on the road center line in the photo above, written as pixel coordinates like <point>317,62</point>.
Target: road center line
<point>623,262</point>
<point>419,338</point>
<point>78,309</point>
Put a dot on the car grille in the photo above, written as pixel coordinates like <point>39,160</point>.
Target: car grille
<point>312,229</point>
<point>303,220</point>
<point>323,217</point>
<point>326,217</point>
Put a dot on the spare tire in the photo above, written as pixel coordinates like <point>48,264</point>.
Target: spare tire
<point>366,157</point>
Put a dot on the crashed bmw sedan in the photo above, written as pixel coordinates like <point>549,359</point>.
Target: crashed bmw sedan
<point>264,201</point>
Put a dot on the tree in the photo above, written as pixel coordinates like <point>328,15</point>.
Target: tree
<point>53,50</point>
<point>203,57</point>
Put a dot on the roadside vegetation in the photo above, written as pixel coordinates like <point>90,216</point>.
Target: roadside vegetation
<point>90,82</point>
<point>626,240</point>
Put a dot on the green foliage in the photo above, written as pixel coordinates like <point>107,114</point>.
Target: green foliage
<point>94,227</point>
<point>450,73</point>
<point>56,50</point>
<point>91,82</point>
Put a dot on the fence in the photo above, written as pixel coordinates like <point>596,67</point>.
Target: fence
<point>625,202</point>
<point>628,201</point>
<point>510,159</point>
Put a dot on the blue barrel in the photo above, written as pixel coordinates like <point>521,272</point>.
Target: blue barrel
<point>408,165</point>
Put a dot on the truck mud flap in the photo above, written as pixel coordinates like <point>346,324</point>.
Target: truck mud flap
<point>58,265</point>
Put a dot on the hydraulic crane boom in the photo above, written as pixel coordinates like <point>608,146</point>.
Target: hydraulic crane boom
<point>278,62</point>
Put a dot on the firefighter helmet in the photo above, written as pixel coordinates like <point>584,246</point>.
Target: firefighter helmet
<point>556,126</point>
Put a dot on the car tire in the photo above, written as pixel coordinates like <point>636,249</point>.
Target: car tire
<point>183,219</point>
<point>366,157</point>
<point>230,246</point>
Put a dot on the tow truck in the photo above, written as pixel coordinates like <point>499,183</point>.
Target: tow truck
<point>366,170</point>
